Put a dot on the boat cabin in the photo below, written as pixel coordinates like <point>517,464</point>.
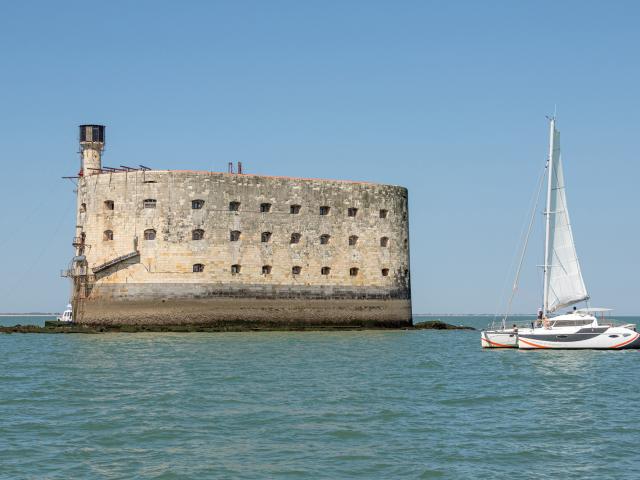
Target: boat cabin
<point>67,315</point>
<point>572,320</point>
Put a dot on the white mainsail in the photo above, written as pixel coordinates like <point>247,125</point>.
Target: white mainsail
<point>564,284</point>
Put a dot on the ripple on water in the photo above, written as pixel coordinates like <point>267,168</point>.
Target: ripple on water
<point>365,405</point>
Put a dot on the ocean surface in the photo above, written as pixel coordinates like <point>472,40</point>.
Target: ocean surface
<point>319,405</point>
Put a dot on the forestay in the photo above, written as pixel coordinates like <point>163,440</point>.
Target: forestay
<point>565,285</point>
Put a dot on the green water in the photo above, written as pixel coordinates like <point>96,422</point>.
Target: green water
<point>326,405</point>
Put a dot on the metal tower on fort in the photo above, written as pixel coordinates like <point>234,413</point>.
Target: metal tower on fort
<point>91,147</point>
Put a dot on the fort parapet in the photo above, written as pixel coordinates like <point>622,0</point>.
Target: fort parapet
<point>184,247</point>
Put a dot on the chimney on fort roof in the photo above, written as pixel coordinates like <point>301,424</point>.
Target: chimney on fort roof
<point>91,147</point>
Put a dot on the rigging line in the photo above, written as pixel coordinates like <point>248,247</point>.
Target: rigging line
<point>18,282</point>
<point>532,204</point>
<point>524,247</point>
<point>14,233</point>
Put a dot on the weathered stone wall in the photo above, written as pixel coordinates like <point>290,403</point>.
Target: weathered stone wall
<point>160,285</point>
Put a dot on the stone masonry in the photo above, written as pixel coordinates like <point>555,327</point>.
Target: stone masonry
<point>237,249</point>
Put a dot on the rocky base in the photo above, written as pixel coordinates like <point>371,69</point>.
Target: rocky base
<point>231,327</point>
<point>248,312</point>
<point>438,325</point>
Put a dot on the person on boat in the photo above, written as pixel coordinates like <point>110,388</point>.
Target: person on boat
<point>539,314</point>
<point>515,328</point>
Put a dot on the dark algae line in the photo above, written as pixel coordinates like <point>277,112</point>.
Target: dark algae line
<point>53,327</point>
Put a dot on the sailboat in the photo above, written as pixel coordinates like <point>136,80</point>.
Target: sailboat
<point>563,285</point>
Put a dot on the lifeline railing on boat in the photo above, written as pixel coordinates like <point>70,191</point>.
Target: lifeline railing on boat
<point>498,324</point>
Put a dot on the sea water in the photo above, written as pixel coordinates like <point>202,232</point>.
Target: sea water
<point>321,405</point>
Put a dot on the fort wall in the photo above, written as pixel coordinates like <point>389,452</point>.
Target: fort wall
<point>203,247</point>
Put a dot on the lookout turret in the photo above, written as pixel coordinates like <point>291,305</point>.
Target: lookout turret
<point>91,146</point>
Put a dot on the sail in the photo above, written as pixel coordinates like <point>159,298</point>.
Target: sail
<point>565,285</point>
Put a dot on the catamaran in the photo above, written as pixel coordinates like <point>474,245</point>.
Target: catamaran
<point>563,284</point>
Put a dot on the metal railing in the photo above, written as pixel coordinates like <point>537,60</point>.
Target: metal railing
<point>115,261</point>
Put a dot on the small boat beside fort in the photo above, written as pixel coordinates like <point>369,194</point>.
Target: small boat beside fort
<point>563,284</point>
<point>64,320</point>
<point>67,315</point>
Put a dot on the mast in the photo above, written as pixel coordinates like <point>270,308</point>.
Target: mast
<point>550,172</point>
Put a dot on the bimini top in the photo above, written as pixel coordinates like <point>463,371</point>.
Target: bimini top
<point>593,310</point>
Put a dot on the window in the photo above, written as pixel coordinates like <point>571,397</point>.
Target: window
<point>107,235</point>
<point>324,239</point>
<point>324,210</point>
<point>109,205</point>
<point>83,207</point>
<point>198,268</point>
<point>353,271</point>
<point>97,134</point>
<point>384,213</point>
<point>294,209</point>
<point>295,270</point>
<point>197,234</point>
<point>295,238</point>
<point>384,242</point>
<point>265,207</point>
<point>150,234</point>
<point>197,204</point>
<point>149,203</point>
<point>325,270</point>
<point>385,272</point>
<point>234,206</point>
<point>353,239</point>
<point>266,269</point>
<point>352,212</point>
<point>571,323</point>
<point>405,242</point>
<point>234,236</point>
<point>235,269</point>
<point>265,237</point>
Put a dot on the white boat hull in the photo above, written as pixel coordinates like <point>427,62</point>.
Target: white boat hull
<point>599,338</point>
<point>499,339</point>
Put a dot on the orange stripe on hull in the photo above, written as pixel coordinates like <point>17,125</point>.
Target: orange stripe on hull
<point>532,344</point>
<point>628,341</point>
<point>612,346</point>
<point>496,344</point>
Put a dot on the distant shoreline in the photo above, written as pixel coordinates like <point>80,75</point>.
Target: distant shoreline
<point>500,315</point>
<point>40,314</point>
<point>472,315</point>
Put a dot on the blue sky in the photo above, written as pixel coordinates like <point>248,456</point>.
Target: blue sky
<point>446,98</point>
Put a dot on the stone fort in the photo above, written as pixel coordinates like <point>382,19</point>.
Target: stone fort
<point>175,247</point>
